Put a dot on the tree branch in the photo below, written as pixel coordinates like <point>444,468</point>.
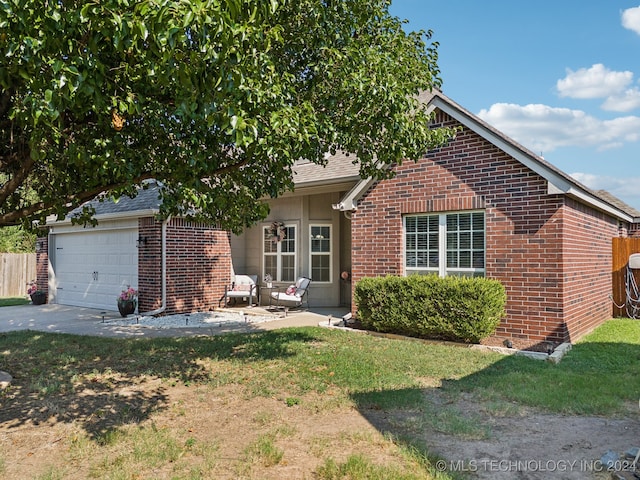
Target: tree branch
<point>14,217</point>
<point>17,179</point>
<point>5,101</point>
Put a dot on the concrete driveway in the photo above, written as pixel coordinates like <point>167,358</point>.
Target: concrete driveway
<point>87,321</point>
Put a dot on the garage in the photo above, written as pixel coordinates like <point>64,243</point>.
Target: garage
<point>90,267</point>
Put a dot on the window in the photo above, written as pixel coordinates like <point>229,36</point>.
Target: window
<point>320,252</point>
<point>446,244</point>
<point>280,256</point>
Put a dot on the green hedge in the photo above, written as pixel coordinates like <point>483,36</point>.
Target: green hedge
<point>426,306</point>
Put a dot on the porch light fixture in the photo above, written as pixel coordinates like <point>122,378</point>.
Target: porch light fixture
<point>141,241</point>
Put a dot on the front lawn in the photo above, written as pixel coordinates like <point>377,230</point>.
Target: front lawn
<point>599,376</point>
<point>268,404</point>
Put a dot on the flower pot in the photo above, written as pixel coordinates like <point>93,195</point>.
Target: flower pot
<point>126,307</point>
<point>39,298</point>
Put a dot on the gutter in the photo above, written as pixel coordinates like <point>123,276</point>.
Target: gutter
<point>52,222</point>
<point>163,305</point>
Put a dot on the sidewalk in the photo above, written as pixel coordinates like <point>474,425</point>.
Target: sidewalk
<point>87,321</point>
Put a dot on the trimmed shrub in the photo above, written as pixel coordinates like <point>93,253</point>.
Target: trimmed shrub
<point>426,306</point>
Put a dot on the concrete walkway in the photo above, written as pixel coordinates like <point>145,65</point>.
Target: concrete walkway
<point>87,321</point>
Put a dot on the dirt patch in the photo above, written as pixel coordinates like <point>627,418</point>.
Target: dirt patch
<point>59,435</point>
<point>521,444</point>
<point>40,436</point>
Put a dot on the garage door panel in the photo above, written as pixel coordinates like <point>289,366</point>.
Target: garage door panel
<point>92,268</point>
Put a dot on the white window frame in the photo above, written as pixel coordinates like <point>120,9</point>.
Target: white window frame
<point>441,269</point>
<point>279,254</point>
<point>324,254</point>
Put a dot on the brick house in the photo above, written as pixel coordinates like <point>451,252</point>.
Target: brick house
<point>482,205</point>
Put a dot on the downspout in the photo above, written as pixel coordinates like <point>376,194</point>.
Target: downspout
<point>163,256</point>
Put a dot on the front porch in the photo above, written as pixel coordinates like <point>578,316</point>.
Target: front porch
<point>310,317</point>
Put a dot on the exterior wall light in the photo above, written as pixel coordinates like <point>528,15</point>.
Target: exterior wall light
<point>141,241</point>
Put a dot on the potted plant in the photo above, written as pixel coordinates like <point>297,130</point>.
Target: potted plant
<point>268,279</point>
<point>127,301</point>
<point>38,297</point>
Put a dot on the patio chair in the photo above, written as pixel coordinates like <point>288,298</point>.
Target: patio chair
<point>294,296</point>
<point>244,287</point>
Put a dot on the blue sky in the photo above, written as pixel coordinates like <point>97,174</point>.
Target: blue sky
<point>560,77</point>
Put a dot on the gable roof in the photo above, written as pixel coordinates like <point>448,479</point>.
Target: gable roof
<point>340,167</point>
<point>558,182</point>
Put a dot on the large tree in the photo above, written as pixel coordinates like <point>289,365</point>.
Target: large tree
<point>216,99</point>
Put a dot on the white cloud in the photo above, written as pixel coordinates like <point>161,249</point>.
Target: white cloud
<point>625,102</point>
<point>542,128</point>
<point>631,19</point>
<point>595,82</point>
<point>624,188</point>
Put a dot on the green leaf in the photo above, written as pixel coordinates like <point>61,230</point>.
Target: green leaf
<point>204,84</point>
<point>188,18</point>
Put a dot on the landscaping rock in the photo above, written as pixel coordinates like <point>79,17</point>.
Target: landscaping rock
<point>609,459</point>
<point>623,467</point>
<point>632,453</point>
<point>5,380</point>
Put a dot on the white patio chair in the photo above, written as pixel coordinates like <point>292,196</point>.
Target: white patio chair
<point>244,286</point>
<point>294,296</point>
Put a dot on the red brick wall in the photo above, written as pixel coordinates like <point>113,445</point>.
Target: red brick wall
<point>524,233</point>
<point>587,264</point>
<point>198,266</point>
<point>150,265</point>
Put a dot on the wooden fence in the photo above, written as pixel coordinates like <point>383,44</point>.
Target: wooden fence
<point>16,270</point>
<point>622,248</point>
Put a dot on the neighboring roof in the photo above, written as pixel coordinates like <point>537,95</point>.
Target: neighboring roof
<point>613,200</point>
<point>558,181</point>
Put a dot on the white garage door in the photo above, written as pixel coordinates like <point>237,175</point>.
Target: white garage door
<point>92,268</point>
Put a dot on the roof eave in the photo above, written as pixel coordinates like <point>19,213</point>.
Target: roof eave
<point>327,182</point>
<point>108,216</point>
<point>350,201</point>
